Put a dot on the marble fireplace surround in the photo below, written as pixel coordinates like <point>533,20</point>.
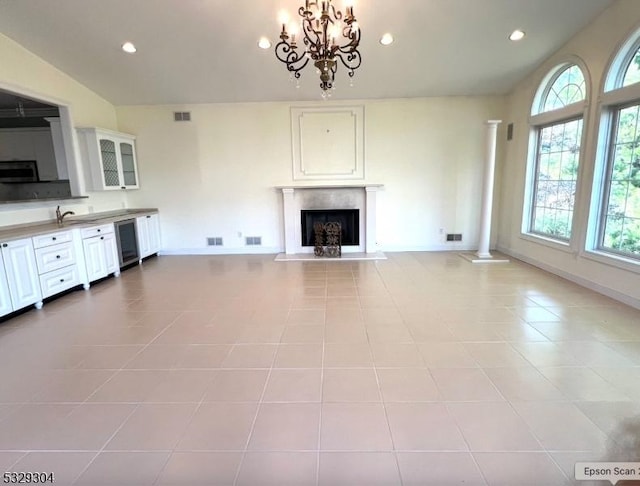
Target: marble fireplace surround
<point>329,196</point>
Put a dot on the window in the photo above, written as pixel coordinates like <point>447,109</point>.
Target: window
<point>553,174</point>
<point>618,214</point>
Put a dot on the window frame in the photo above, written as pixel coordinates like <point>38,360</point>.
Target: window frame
<point>613,99</point>
<point>539,120</point>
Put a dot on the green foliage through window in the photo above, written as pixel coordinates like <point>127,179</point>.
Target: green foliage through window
<point>632,75</point>
<point>621,230</point>
<point>556,178</point>
<point>568,88</point>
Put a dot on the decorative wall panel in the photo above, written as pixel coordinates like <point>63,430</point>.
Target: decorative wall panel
<point>328,143</point>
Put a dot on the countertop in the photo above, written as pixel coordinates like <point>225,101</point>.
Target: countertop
<point>51,226</point>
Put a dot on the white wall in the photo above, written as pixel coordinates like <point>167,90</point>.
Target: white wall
<point>215,176</point>
<point>25,73</point>
<point>595,46</point>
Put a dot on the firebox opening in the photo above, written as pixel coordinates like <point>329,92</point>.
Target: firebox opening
<point>349,219</point>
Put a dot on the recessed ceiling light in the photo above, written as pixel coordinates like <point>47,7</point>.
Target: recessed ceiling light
<point>516,35</point>
<point>129,47</point>
<point>386,39</point>
<point>264,43</point>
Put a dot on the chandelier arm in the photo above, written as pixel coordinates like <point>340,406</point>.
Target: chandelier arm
<point>353,59</point>
<point>286,54</point>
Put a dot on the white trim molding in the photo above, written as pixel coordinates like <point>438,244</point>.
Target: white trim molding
<point>327,142</point>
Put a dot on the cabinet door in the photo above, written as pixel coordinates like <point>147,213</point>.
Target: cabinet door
<point>128,161</point>
<point>22,274</point>
<point>153,226</point>
<point>109,159</point>
<point>94,257</point>
<point>142,227</point>
<point>112,262</point>
<point>5,297</point>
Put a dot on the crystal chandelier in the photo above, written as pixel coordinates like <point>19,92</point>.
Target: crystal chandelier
<point>327,35</point>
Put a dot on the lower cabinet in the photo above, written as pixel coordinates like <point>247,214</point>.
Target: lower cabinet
<point>101,256</point>
<point>57,262</point>
<point>38,267</point>
<point>148,231</point>
<point>21,275</point>
<point>6,306</point>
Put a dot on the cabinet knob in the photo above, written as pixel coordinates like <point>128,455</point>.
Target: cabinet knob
<point>123,187</point>
<point>148,216</point>
<point>58,256</point>
<point>54,238</point>
<point>98,230</point>
<point>102,237</point>
<point>4,245</point>
<point>61,280</point>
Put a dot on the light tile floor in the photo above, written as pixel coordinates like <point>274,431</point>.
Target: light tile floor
<point>238,370</point>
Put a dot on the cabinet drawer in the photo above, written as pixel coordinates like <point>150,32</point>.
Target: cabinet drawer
<point>54,257</point>
<point>52,239</point>
<point>97,230</point>
<point>59,280</point>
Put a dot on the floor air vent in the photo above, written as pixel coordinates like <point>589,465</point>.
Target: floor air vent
<point>454,237</point>
<point>214,241</point>
<point>253,240</point>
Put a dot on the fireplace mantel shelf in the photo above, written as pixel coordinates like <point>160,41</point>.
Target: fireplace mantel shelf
<point>349,185</point>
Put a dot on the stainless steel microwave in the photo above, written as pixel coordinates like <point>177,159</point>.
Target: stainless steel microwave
<point>19,171</point>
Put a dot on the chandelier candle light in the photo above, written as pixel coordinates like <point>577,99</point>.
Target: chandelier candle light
<point>327,35</point>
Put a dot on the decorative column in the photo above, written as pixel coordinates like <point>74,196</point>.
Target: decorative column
<point>289,221</point>
<point>487,191</point>
<point>370,222</point>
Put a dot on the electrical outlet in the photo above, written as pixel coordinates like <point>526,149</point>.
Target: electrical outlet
<point>441,231</point>
<point>239,234</point>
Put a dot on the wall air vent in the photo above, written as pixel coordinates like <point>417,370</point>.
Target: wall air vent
<point>214,241</point>
<point>181,116</point>
<point>253,240</point>
<point>454,236</point>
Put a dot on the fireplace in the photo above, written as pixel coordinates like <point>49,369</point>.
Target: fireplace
<point>360,199</point>
<point>349,220</point>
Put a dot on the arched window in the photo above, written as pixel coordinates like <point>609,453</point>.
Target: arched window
<point>617,216</point>
<point>632,75</point>
<point>568,88</point>
<point>555,153</point>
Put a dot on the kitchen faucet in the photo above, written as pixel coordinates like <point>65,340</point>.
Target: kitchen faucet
<point>60,216</point>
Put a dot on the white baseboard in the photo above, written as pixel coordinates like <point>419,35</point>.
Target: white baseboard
<point>589,284</point>
<point>217,250</point>
<point>451,247</point>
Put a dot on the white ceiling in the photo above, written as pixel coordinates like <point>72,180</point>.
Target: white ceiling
<point>199,51</point>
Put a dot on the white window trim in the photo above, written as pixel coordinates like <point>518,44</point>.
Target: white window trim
<point>574,111</point>
<point>579,109</point>
<point>610,100</point>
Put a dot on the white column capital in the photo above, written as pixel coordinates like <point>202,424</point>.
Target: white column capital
<point>287,190</point>
<point>371,188</point>
<point>493,122</point>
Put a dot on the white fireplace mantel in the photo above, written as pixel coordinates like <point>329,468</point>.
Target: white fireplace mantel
<point>292,208</point>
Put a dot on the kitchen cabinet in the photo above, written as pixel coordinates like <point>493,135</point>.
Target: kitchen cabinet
<point>100,252</point>
<point>57,262</point>
<point>111,157</point>
<point>6,306</point>
<point>21,273</point>
<point>148,230</point>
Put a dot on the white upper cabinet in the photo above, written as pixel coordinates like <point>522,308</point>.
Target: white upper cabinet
<point>111,157</point>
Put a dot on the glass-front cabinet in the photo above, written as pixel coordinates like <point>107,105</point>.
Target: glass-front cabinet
<point>111,157</point>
